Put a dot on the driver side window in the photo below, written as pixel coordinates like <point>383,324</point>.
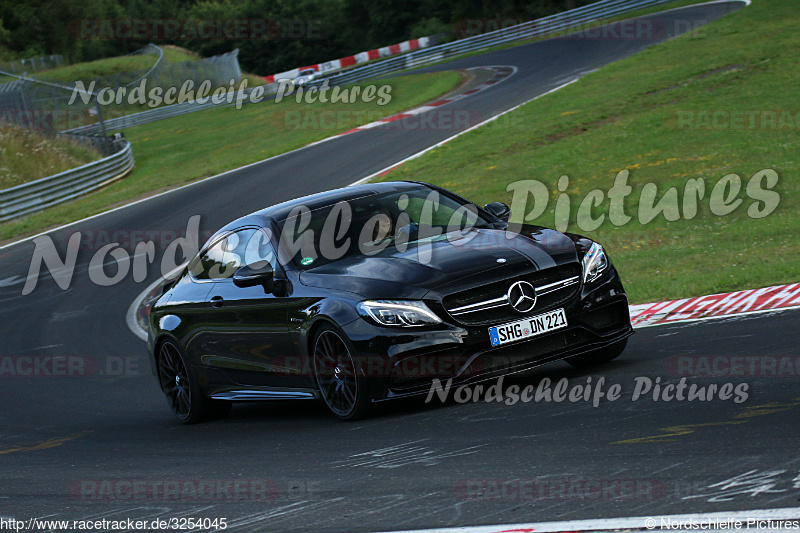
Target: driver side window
<point>249,247</point>
<point>254,248</point>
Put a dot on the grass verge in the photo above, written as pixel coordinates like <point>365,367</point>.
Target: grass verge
<point>107,68</point>
<point>719,101</point>
<point>186,148</point>
<point>90,70</point>
<point>26,155</point>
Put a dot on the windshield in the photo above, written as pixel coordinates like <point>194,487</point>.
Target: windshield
<point>369,225</point>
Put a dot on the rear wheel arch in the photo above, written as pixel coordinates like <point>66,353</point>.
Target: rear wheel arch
<point>159,341</point>
<point>200,406</point>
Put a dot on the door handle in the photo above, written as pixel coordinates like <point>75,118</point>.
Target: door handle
<point>217,301</point>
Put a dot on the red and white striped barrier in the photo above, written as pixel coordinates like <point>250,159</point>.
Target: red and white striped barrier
<point>362,57</point>
<point>716,305</point>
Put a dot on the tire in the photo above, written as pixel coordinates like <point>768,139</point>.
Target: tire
<point>181,389</point>
<point>342,387</point>
<point>598,357</point>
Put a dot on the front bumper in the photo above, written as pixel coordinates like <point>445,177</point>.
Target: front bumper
<point>400,362</point>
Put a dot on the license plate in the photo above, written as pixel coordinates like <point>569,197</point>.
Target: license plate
<point>529,327</point>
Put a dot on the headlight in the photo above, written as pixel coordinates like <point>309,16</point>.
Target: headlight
<point>594,263</point>
<point>398,313</point>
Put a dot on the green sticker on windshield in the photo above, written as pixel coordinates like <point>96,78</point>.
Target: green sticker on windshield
<point>306,261</point>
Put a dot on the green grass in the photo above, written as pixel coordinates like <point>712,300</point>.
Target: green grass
<point>626,116</point>
<point>90,70</point>
<point>176,151</point>
<point>26,155</point>
<point>177,54</point>
<point>107,67</point>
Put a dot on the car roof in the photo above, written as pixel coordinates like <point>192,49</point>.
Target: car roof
<point>279,212</point>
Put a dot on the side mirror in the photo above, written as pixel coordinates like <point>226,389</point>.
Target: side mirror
<point>499,209</point>
<point>248,276</point>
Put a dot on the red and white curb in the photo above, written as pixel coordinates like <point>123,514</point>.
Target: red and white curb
<point>720,305</point>
<point>500,73</point>
<point>362,57</point>
<point>762,520</point>
<point>393,166</point>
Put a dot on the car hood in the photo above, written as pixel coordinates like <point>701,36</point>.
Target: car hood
<point>442,267</point>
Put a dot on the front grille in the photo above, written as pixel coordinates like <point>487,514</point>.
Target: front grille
<point>492,307</point>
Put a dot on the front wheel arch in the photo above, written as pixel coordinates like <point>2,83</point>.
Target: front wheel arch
<point>357,384</point>
<point>312,330</point>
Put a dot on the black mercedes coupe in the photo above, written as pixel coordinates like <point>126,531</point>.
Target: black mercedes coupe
<point>373,292</point>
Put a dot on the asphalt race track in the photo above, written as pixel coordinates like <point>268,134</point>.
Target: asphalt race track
<point>70,447</point>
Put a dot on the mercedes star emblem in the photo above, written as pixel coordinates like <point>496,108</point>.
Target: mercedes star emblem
<point>521,296</point>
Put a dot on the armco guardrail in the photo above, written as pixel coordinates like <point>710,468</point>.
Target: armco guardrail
<point>219,68</point>
<point>151,115</point>
<point>567,20</point>
<point>37,195</point>
<point>548,25</point>
<point>37,103</point>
